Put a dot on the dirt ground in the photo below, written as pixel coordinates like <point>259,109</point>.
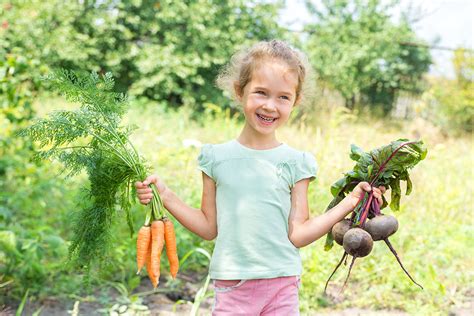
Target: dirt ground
<point>177,303</point>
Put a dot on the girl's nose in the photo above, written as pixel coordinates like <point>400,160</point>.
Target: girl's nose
<point>269,105</point>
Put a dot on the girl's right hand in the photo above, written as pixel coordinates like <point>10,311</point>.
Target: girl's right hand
<point>144,191</point>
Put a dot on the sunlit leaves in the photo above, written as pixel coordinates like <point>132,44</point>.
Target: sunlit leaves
<point>359,50</point>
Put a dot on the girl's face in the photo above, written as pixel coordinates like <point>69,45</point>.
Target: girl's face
<point>269,97</point>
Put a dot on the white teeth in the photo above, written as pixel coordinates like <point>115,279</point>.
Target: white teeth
<point>265,118</point>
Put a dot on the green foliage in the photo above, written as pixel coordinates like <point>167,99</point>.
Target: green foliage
<point>17,88</point>
<point>450,103</point>
<point>358,50</point>
<point>33,37</point>
<point>179,57</point>
<point>31,259</point>
<point>34,209</point>
<point>384,166</point>
<point>168,51</point>
<point>27,257</point>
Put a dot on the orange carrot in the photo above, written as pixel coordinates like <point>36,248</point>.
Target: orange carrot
<point>171,250</point>
<point>154,280</point>
<point>157,243</point>
<point>143,241</point>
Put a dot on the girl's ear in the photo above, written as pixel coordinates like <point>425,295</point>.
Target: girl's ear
<point>238,91</point>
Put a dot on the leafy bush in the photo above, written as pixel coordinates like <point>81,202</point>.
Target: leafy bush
<point>450,103</point>
<point>34,216</point>
<point>358,50</point>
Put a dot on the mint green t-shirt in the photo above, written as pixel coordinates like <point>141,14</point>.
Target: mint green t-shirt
<point>253,199</point>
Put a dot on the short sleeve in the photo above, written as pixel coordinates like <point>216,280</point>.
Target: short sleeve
<point>305,168</point>
<point>206,160</point>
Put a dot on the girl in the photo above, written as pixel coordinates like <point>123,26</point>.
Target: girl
<point>254,199</point>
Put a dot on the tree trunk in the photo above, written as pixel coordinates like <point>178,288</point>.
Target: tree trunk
<point>350,103</point>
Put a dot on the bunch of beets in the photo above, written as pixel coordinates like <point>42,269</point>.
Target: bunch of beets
<point>385,166</point>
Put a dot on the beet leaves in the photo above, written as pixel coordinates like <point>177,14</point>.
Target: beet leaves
<point>385,166</point>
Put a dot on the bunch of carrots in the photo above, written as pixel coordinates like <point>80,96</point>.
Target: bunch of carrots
<point>90,138</point>
<point>152,238</point>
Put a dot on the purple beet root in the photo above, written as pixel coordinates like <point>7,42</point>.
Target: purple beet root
<point>381,227</point>
<point>357,242</point>
<point>340,229</point>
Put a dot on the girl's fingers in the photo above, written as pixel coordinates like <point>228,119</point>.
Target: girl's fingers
<point>145,196</point>
<point>145,201</point>
<point>378,195</point>
<point>382,190</point>
<point>151,179</point>
<point>379,198</point>
<point>378,192</point>
<point>142,185</point>
<point>144,191</point>
<point>365,186</point>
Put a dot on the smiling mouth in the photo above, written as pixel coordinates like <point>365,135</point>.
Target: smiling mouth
<point>266,120</point>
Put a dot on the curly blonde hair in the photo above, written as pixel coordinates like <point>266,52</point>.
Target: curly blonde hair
<point>238,72</point>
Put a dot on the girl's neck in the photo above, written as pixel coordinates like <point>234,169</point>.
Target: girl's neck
<point>252,140</point>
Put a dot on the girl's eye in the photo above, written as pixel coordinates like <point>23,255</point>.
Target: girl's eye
<point>260,92</point>
<point>285,97</point>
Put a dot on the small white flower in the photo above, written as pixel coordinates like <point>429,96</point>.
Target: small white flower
<point>192,143</point>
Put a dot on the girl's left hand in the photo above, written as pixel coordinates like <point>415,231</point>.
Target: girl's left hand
<point>362,187</point>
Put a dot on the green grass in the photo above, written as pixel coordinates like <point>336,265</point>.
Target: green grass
<point>435,220</point>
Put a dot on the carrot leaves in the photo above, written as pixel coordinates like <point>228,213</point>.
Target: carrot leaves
<point>91,139</point>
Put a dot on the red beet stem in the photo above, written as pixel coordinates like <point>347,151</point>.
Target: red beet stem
<point>382,167</point>
<point>399,261</point>
<point>356,212</point>
<point>348,273</point>
<point>361,198</point>
<point>365,213</point>
<point>337,267</point>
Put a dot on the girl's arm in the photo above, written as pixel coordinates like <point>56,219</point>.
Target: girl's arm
<point>202,221</point>
<point>303,230</point>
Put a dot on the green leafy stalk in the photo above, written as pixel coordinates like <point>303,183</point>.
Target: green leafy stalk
<point>91,139</point>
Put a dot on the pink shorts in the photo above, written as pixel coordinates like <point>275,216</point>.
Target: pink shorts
<point>276,296</point>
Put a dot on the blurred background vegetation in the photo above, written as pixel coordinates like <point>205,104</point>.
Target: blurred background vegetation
<point>372,86</point>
